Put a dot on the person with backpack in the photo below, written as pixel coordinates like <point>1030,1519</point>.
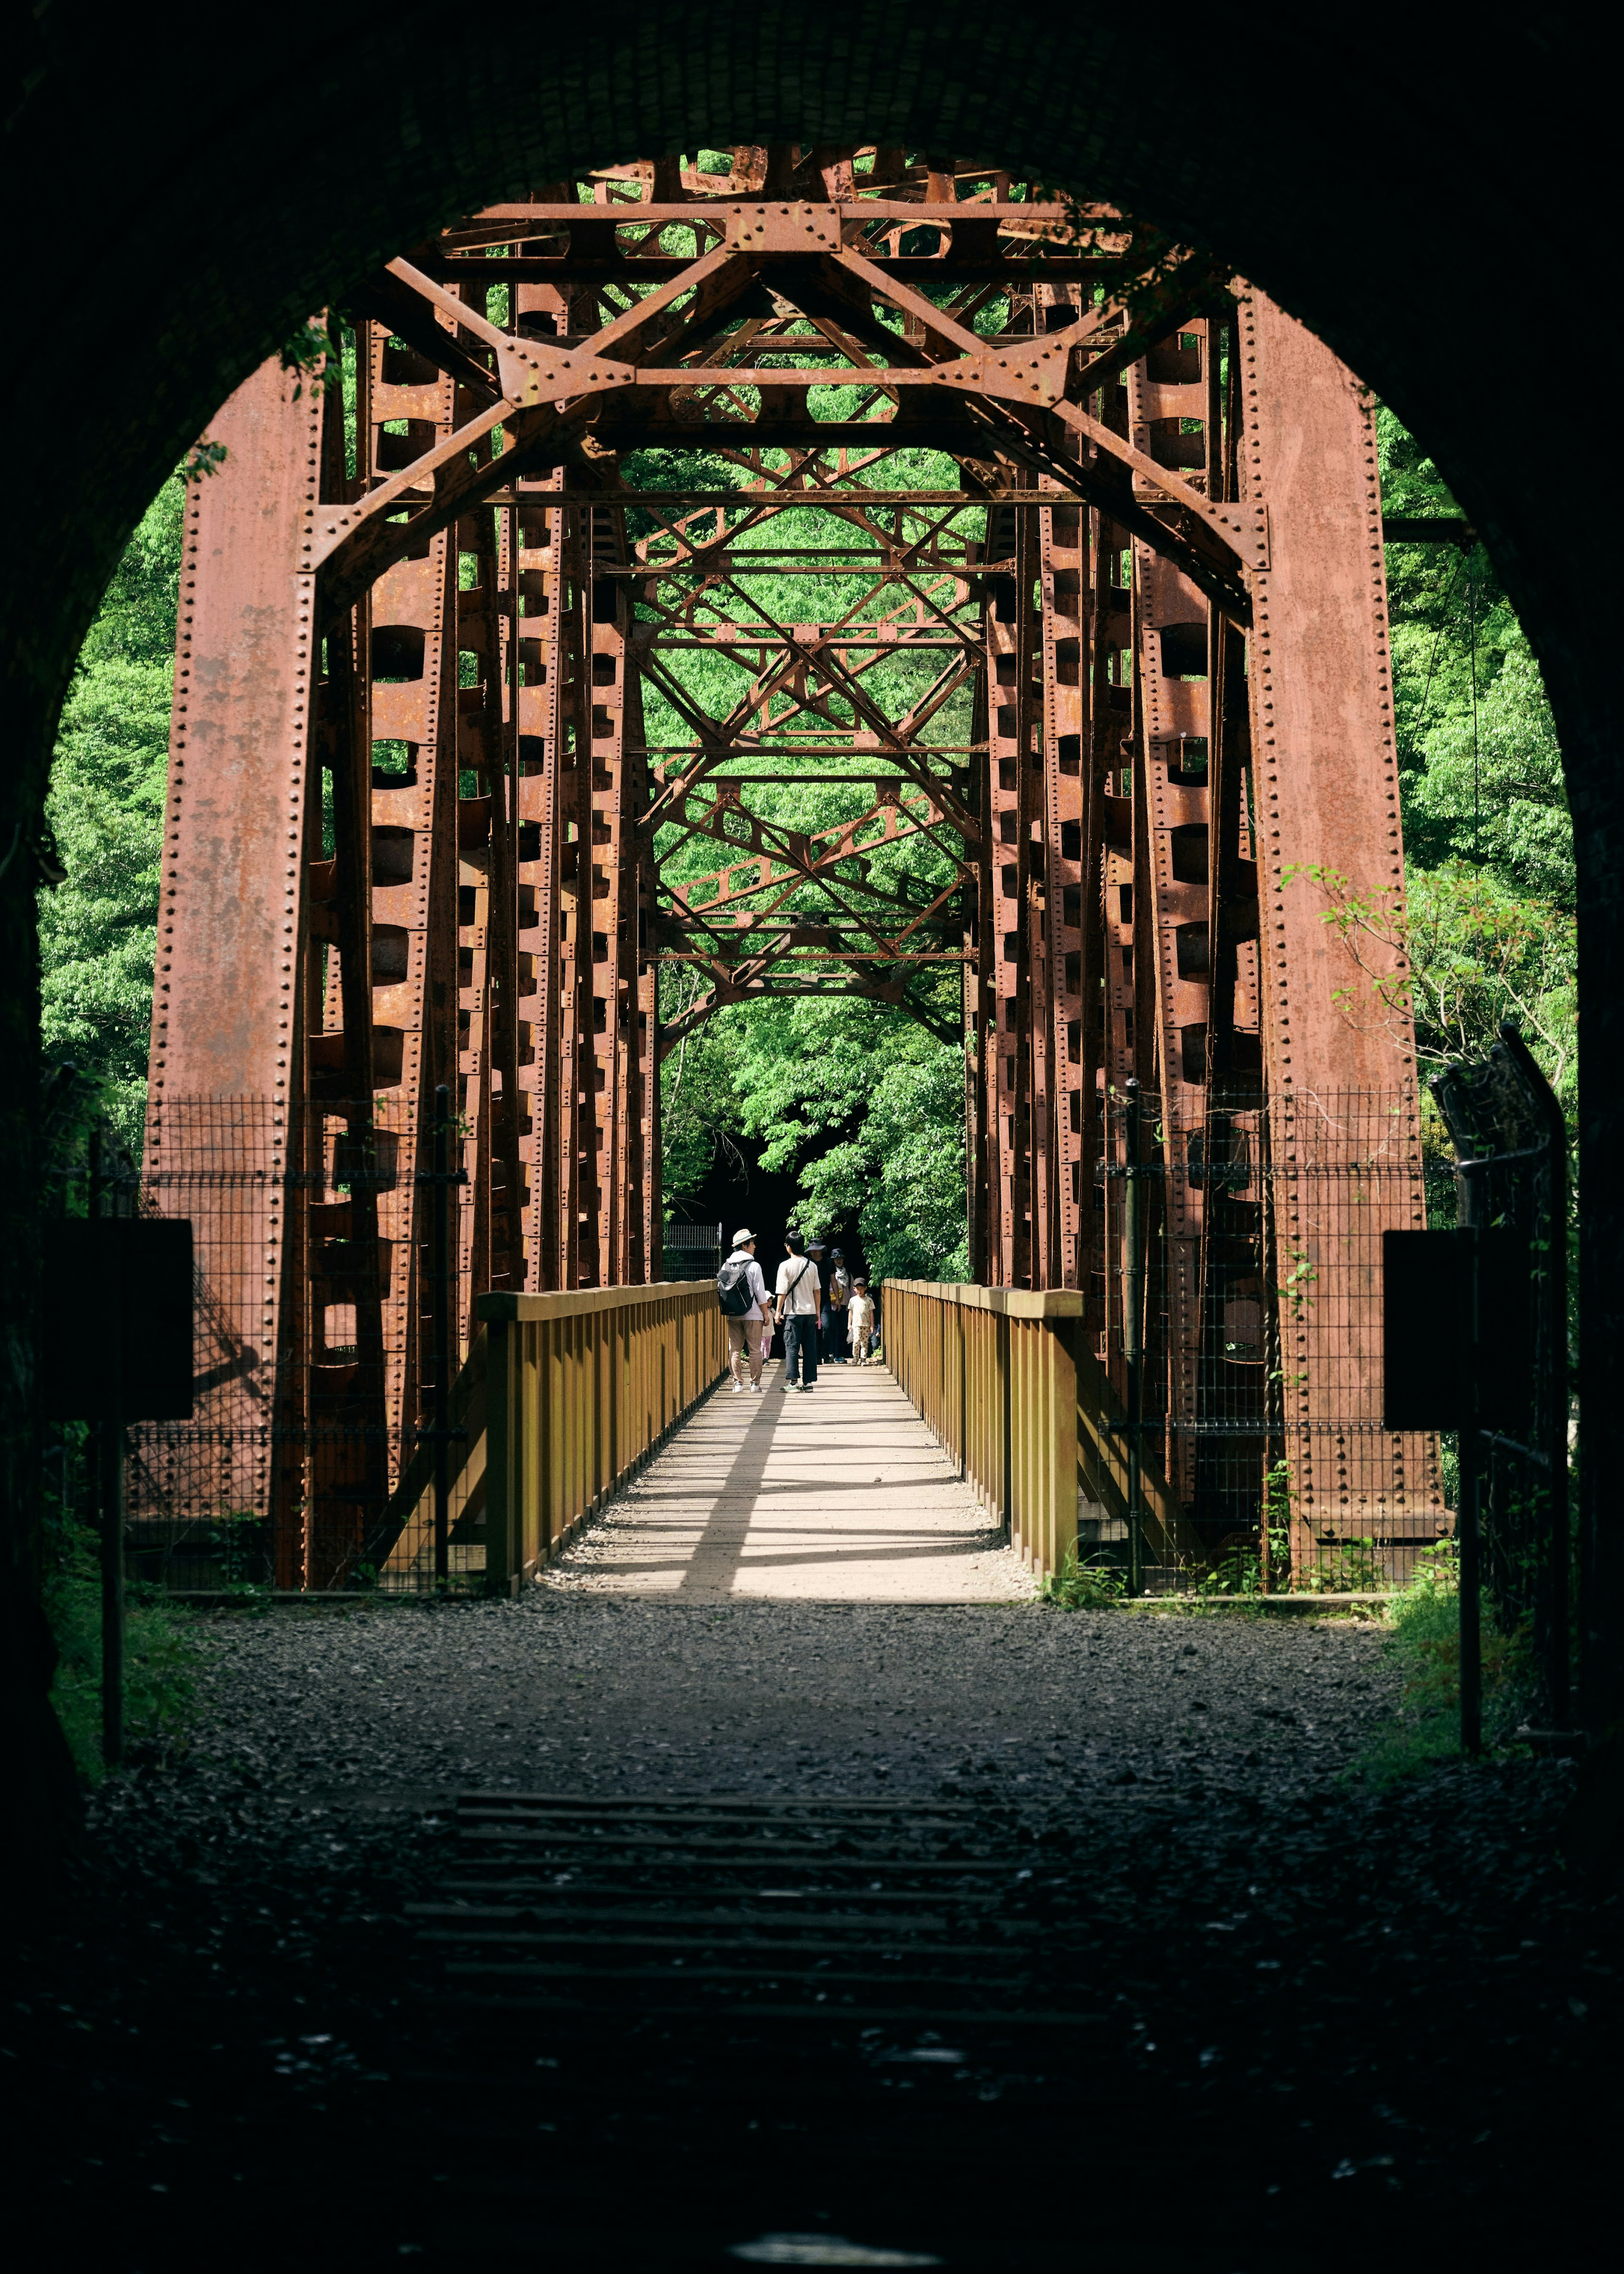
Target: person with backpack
<point>742,1292</point>
<point>799,1300</point>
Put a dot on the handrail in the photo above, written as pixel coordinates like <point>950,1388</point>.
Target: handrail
<point>580,1387</point>
<point>404,1546</point>
<point>1002,1376</point>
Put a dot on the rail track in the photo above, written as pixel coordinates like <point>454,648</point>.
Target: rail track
<point>787,2023</point>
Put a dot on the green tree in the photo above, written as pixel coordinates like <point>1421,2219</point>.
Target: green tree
<point>1491,791</point>
<point>98,930</point>
<point>868,1108</point>
<point>1488,840</point>
<point>1480,772</point>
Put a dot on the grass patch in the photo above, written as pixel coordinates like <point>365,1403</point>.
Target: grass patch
<point>1423,1637</point>
<point>158,1655</point>
<point>1076,1586</point>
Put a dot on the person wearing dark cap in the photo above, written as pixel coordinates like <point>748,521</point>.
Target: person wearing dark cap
<point>814,1249</point>
<point>798,1296</point>
<point>839,1294</point>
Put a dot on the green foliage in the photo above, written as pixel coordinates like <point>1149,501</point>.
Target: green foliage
<point>1347,1566</point>
<point>1238,1569</point>
<point>902,1175</point>
<point>859,1098</point>
<point>98,930</point>
<point>1481,953</point>
<point>870,1110</point>
<point>315,353</point>
<point>864,1102</point>
<point>1498,800</point>
<point>699,1102</point>
<point>159,1656</point>
<point>1488,840</point>
<point>203,458</point>
<point>1474,953</point>
<point>1090,1586</point>
<point>1424,1638</point>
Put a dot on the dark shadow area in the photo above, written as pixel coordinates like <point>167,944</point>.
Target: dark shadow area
<point>716,1552</point>
<point>1312,2023</point>
<point>1367,2020</point>
<point>738,1192</point>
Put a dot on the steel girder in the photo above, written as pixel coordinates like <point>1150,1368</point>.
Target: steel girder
<point>1073,742</point>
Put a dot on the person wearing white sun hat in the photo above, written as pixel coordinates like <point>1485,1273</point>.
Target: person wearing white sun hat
<point>742,1294</point>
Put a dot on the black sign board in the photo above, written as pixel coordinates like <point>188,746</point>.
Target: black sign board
<point>1422,1326</point>
<point>132,1274</point>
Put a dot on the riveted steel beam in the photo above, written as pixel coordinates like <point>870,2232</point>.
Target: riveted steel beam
<point>1085,692</point>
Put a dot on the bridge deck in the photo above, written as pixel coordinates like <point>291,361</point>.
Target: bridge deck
<point>840,1497</point>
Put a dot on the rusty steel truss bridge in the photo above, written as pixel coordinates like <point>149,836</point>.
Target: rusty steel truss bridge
<point>855,574</point>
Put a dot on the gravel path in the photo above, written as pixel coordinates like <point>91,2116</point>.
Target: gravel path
<point>396,1709</point>
<point>1395,2006</point>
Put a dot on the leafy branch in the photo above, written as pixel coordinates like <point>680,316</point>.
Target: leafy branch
<point>203,458</point>
<point>1463,955</point>
<point>315,354</point>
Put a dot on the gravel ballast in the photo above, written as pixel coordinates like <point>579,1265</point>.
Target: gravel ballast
<point>1392,2002</point>
<point>578,1693</point>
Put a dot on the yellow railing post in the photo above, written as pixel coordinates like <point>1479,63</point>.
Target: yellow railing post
<point>501,1495</point>
<point>582,1386</point>
<point>999,1374</point>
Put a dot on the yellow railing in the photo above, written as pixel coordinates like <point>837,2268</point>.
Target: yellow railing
<point>1003,1379</point>
<point>579,1389</point>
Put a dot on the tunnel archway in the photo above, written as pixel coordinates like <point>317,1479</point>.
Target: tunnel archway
<point>288,178</point>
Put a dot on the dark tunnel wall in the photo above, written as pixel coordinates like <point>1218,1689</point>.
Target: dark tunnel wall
<point>187,186</point>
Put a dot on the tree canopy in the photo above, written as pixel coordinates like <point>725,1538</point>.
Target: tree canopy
<point>98,928</point>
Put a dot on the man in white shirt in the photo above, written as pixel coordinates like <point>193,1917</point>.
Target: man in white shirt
<point>799,1299</point>
<point>748,1333</point>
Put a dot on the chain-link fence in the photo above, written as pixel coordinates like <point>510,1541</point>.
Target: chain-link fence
<point>307,1461</point>
<point>693,1250</point>
<point>1241,1290</point>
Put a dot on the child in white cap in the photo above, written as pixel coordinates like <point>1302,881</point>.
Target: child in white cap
<point>859,1315</point>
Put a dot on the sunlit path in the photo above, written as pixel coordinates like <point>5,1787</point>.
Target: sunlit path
<point>842,1495</point>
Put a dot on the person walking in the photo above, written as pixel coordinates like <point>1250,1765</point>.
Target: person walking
<point>798,1294</point>
<point>814,1249</point>
<point>740,1279</point>
<point>860,1320</point>
<point>838,1341</point>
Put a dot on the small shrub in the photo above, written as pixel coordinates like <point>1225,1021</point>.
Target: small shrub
<point>1091,1587</point>
<point>1424,1635</point>
<point>1238,1569</point>
<point>158,1655</point>
<point>1348,1567</point>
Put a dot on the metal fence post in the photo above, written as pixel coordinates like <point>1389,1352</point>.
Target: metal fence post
<point>1511,1178</point>
<point>442,1268</point>
<point>1552,1621</point>
<point>1471,1464</point>
<point>110,1486</point>
<point>1132,1320</point>
<point>504,1550</point>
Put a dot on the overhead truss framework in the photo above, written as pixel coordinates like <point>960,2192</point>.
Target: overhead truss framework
<point>854,574</point>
